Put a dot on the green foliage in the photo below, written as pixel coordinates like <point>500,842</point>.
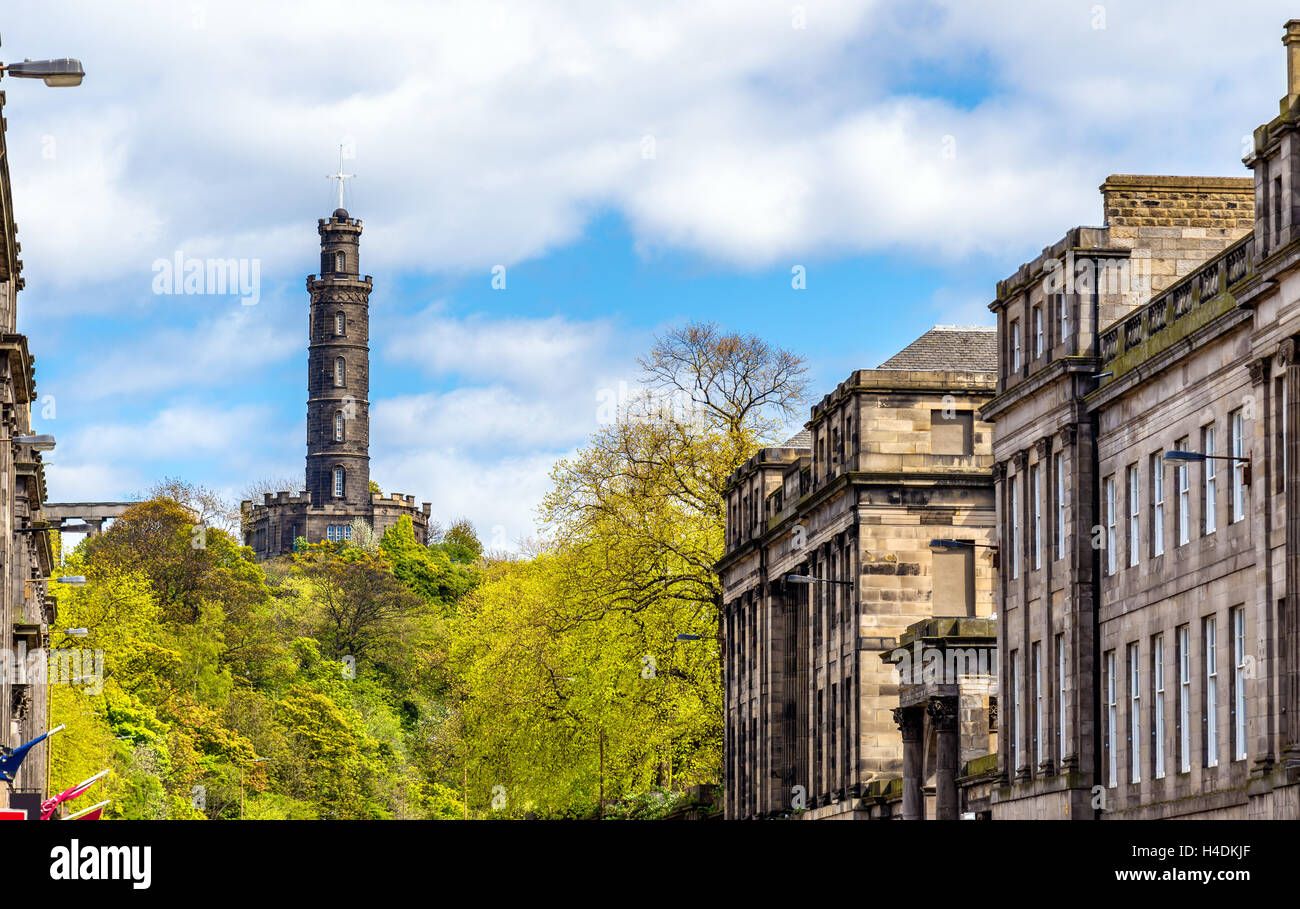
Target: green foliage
<point>307,688</point>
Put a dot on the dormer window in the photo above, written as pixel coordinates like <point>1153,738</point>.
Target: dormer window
<point>340,372</point>
<point>339,323</point>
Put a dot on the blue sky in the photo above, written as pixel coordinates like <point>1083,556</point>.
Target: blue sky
<point>906,154</point>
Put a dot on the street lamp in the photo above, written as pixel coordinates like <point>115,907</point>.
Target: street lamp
<point>59,73</point>
<point>809,579</point>
<point>1179,454</point>
<point>946,546</point>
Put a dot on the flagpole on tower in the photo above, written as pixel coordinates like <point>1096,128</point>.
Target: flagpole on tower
<point>340,176</point>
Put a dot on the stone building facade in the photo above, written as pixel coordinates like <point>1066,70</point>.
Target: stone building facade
<point>26,608</point>
<point>1147,618</point>
<point>893,458</point>
<point>338,414</point>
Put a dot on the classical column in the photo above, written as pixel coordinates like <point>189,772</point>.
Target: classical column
<point>911,722</point>
<point>944,715</point>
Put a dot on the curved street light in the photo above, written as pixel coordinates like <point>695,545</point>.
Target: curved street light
<point>62,73</point>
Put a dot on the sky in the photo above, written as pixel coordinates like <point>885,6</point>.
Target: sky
<point>626,167</point>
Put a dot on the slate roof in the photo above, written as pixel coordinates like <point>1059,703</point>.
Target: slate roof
<point>801,439</point>
<point>969,348</point>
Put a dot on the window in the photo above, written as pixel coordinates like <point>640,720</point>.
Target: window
<point>1065,316</point>
<point>340,262</point>
<point>1134,510</point>
<point>340,372</point>
<point>1158,712</point>
<point>1015,345</point>
<point>1060,504</point>
<point>1184,498</point>
<point>1110,525</point>
<point>1134,715</point>
<point>1036,481</point>
<point>338,482</point>
<point>1239,683</point>
<point>1158,506</point>
<point>1038,703</point>
<point>1211,695</point>
<point>952,433</point>
<point>1038,331</point>
<point>954,582</point>
<point>1211,485</point>
<point>1112,759</point>
<point>338,533</point>
<point>1184,699</point>
<point>1015,711</point>
<point>1015,526</point>
<point>339,323</point>
<point>1238,467</point>
<point>338,426</point>
<point>1060,698</point>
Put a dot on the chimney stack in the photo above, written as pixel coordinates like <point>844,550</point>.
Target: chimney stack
<point>1292,41</point>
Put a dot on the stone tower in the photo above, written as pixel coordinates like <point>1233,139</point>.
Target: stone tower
<point>338,416</point>
<point>338,369</point>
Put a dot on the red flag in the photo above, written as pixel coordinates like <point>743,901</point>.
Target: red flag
<point>48,806</point>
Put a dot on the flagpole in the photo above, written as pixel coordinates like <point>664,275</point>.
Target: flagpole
<point>73,817</point>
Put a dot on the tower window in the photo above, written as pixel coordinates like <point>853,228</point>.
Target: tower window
<point>338,482</point>
<point>340,372</point>
<point>339,323</point>
<point>340,262</point>
<point>338,426</point>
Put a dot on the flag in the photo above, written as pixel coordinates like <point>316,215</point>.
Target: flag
<point>89,814</point>
<point>10,762</point>
<point>67,795</point>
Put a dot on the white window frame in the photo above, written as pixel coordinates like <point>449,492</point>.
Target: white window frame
<point>340,261</point>
<point>1038,332</point>
<point>1038,703</point>
<point>1065,317</point>
<point>1015,712</point>
<point>1060,504</point>
<point>340,323</point>
<point>1036,473</point>
<point>338,426</point>
<point>1239,683</point>
<point>1184,699</point>
<point>1112,759</point>
<point>1184,499</point>
<point>1238,467</point>
<point>1135,712</point>
<point>1158,506</point>
<point>1015,345</point>
<point>1211,474</point>
<point>1111,540</point>
<point>1061,670</point>
<point>1134,515</point>
<point>340,372</point>
<point>1211,693</point>
<point>339,481</point>
<point>1158,721</point>
<point>1015,526</point>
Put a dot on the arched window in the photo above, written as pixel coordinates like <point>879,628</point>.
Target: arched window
<point>340,262</point>
<point>339,323</point>
<point>338,482</point>
<point>338,426</point>
<point>340,372</point>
